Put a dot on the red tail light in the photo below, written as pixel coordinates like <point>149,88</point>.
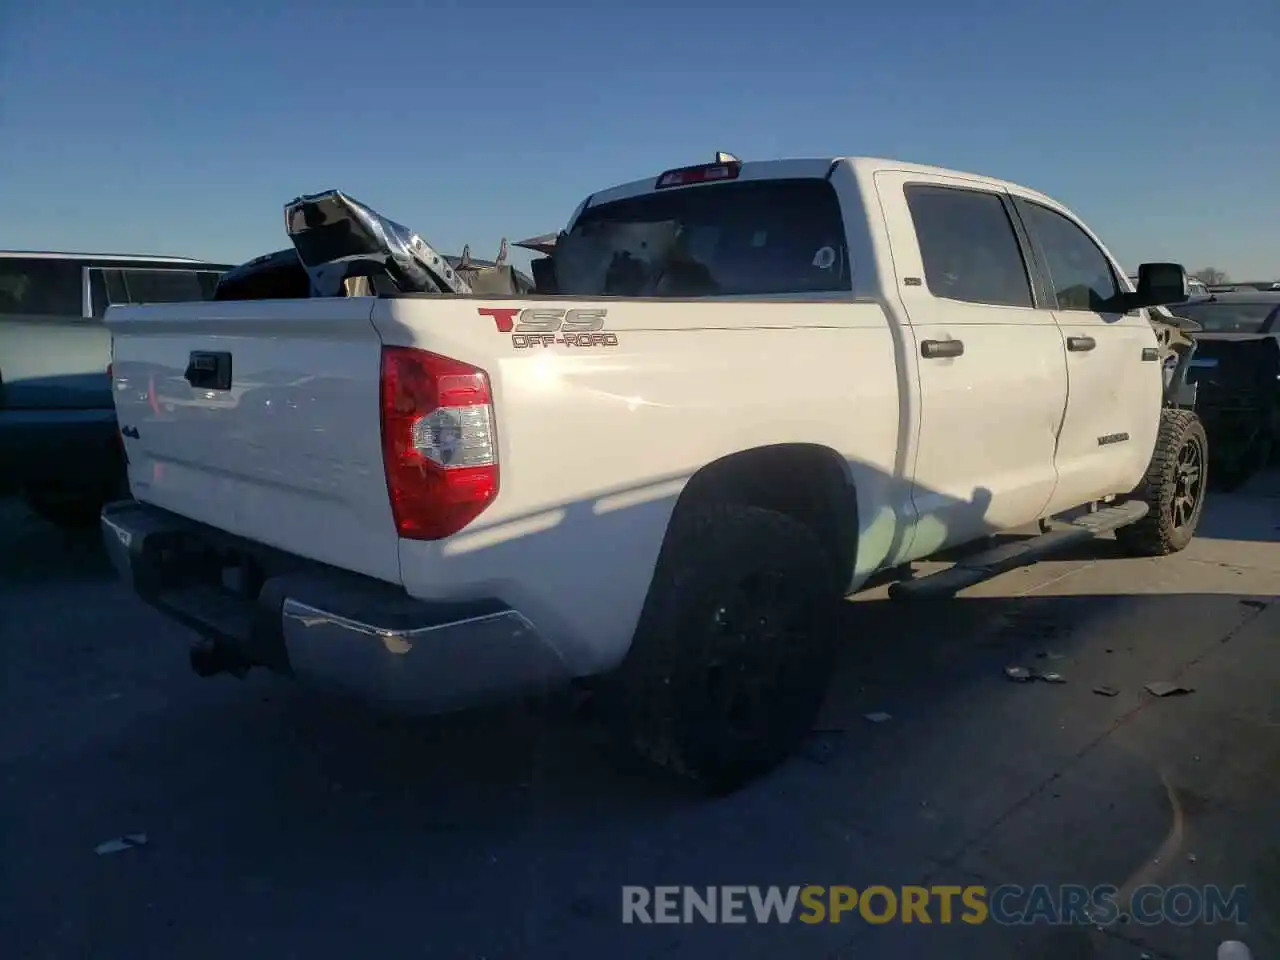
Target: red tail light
<point>439,442</point>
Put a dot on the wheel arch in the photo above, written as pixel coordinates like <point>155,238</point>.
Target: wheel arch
<point>810,482</point>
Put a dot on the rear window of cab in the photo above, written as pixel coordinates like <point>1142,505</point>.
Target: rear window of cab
<point>738,238</point>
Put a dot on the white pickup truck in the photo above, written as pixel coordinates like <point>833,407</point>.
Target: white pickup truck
<point>752,387</point>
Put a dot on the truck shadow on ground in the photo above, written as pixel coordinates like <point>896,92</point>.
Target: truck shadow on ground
<point>33,551</point>
<point>278,810</point>
<point>316,825</point>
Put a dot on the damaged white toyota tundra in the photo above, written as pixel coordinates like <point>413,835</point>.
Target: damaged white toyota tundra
<point>739,391</point>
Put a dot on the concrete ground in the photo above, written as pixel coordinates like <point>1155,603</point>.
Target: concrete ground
<point>280,823</point>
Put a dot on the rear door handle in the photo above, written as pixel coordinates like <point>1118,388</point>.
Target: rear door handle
<point>938,349</point>
<point>1081,344</point>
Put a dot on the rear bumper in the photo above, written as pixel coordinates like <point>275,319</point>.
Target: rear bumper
<point>336,629</point>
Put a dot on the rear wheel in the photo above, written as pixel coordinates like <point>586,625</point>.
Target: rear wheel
<point>1174,488</point>
<point>732,657</point>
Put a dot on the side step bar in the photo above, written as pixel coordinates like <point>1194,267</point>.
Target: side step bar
<point>990,563</point>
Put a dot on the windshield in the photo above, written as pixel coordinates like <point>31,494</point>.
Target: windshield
<point>748,238</point>
<point>1219,317</point>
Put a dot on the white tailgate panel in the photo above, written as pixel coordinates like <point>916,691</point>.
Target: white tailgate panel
<point>291,456</point>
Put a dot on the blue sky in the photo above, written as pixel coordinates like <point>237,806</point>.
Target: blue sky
<point>183,128</point>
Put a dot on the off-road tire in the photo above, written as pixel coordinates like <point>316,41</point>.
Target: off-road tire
<point>733,586</point>
<point>1159,534</point>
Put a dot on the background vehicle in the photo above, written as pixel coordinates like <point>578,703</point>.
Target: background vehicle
<point>1236,370</point>
<point>755,385</point>
<point>1241,313</point>
<point>58,441</point>
<point>1246,286</point>
<point>1195,288</point>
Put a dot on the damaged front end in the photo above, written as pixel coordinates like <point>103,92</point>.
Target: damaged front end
<point>1177,350</point>
<point>343,248</point>
<point>339,239</point>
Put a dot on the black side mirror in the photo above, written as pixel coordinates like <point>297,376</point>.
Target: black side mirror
<point>1159,284</point>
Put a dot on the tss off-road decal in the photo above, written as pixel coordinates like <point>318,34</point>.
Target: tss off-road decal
<point>548,326</point>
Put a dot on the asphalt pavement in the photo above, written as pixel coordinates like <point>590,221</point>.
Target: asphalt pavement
<point>269,821</point>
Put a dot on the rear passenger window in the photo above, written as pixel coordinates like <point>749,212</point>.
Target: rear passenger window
<point>106,288</point>
<point>208,283</point>
<point>115,286</point>
<point>163,286</point>
<point>43,287</point>
<point>116,290</point>
<point>1079,271</point>
<point>969,249</point>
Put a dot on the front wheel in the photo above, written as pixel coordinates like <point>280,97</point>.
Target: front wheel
<point>1173,488</point>
<point>734,650</point>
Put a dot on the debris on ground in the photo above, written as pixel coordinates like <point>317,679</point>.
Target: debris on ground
<point>878,716</point>
<point>1164,688</point>
<point>820,746</point>
<point>119,844</point>
<point>1105,691</point>
<point>1025,675</point>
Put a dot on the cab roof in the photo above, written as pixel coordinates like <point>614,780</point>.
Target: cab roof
<point>818,167</point>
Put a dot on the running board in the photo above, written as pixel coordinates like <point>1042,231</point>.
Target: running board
<point>990,563</point>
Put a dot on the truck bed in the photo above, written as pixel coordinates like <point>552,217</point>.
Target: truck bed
<point>291,454</point>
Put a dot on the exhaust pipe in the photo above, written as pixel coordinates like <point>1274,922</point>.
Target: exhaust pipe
<point>209,659</point>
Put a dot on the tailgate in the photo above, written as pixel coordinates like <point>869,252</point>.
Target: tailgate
<point>260,418</point>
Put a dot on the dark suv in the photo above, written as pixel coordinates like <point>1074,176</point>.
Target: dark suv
<point>59,446</point>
